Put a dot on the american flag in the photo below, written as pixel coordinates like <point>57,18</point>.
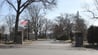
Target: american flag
<point>24,22</point>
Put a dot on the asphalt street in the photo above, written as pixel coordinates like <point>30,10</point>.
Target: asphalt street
<point>48,47</point>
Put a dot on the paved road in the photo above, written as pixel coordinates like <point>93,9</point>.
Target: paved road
<point>48,48</point>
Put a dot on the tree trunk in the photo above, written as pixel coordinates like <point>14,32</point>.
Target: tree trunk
<point>46,34</point>
<point>36,35</point>
<point>35,31</point>
<point>17,39</point>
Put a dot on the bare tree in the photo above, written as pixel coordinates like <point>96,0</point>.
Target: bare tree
<point>63,26</point>
<point>39,22</point>
<point>20,5</point>
<point>10,20</point>
<point>93,11</point>
<point>3,29</point>
<point>35,12</point>
<point>79,23</point>
<point>56,31</point>
<point>47,26</point>
<point>65,22</point>
<point>40,26</point>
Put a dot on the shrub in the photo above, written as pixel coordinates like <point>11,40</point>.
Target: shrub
<point>92,36</point>
<point>62,37</point>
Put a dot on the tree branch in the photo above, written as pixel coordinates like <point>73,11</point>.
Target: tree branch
<point>23,4</point>
<point>92,13</point>
<point>51,2</point>
<point>22,9</point>
<point>11,5</point>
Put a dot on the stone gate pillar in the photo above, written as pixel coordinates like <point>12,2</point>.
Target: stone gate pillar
<point>78,39</point>
<point>19,37</point>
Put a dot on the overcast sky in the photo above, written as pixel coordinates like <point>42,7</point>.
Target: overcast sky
<point>64,6</point>
<point>72,6</point>
<point>68,6</point>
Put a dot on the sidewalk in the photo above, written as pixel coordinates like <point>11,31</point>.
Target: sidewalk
<point>25,43</point>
